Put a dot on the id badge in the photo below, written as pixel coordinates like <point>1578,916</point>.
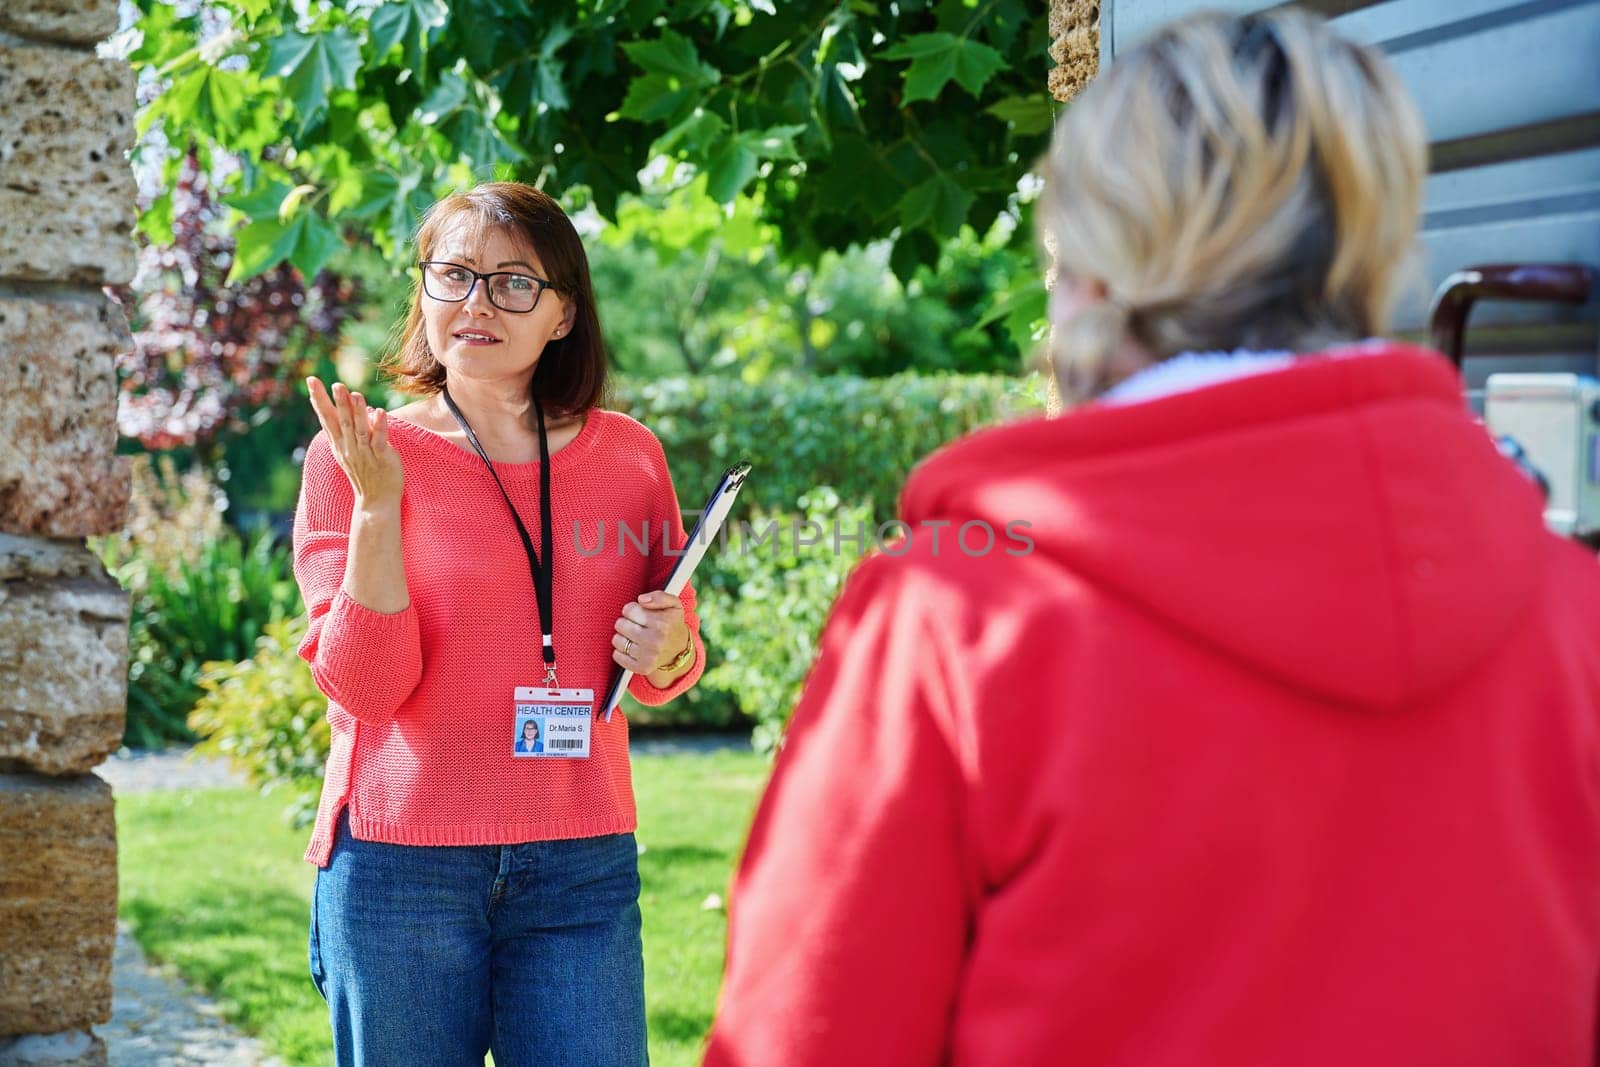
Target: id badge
<point>551,723</point>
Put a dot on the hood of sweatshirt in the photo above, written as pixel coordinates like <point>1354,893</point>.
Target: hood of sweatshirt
<point>1342,525</point>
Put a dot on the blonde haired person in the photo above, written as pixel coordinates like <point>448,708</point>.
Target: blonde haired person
<point>1280,747</point>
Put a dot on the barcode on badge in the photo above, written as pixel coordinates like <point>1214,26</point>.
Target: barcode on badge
<point>563,742</point>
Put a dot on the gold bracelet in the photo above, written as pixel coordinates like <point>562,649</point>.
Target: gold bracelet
<point>680,661</point>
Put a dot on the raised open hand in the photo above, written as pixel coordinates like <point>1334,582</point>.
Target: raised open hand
<point>359,436</point>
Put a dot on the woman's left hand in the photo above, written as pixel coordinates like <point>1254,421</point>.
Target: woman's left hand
<point>650,634</point>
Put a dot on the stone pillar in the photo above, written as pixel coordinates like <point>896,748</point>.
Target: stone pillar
<point>1075,49</point>
<point>67,212</point>
<point>1074,46</point>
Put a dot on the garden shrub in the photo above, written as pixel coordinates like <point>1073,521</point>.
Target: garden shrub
<point>857,437</point>
<point>213,608</point>
<point>703,707</point>
<point>266,715</point>
<point>766,619</point>
<point>172,516</point>
<point>198,592</point>
<point>861,436</point>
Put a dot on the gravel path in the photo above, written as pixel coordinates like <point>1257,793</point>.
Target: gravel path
<point>156,770</point>
<point>156,1018</point>
<point>159,1021</point>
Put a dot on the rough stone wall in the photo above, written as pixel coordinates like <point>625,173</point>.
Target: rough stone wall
<point>66,218</point>
<point>1074,46</point>
<point>59,841</point>
<point>1075,49</point>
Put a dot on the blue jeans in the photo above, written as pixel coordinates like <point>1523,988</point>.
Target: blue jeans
<point>433,955</point>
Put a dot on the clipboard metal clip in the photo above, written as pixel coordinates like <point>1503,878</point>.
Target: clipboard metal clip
<point>734,477</point>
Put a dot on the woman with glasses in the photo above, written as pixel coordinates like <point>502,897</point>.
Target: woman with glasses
<point>471,897</point>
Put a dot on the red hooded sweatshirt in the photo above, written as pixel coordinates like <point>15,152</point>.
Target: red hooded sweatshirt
<point>1280,747</point>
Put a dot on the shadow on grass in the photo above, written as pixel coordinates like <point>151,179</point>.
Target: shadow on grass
<point>679,1027</point>
<point>232,940</point>
<point>668,855</point>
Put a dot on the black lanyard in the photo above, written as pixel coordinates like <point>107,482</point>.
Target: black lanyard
<point>543,570</point>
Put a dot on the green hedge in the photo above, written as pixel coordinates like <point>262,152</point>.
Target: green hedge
<point>823,449</point>
<point>209,608</point>
<point>764,622</point>
<point>839,444</point>
<point>861,436</point>
<point>267,717</point>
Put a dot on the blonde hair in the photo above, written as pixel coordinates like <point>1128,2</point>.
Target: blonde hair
<point>1234,182</point>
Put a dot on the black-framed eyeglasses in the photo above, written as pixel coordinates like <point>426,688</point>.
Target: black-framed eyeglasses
<point>508,290</point>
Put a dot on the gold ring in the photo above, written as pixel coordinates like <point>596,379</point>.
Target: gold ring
<point>627,646</point>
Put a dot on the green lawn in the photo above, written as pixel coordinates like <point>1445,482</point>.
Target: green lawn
<point>212,882</point>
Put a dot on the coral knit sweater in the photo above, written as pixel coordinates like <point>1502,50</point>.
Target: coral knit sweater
<point>420,701</point>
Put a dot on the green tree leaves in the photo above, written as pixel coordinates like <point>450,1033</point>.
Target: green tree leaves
<point>673,56</point>
<point>936,58</point>
<point>843,123</point>
<point>549,89</point>
<point>307,241</point>
<point>736,159</point>
<point>939,201</point>
<point>405,23</point>
<point>213,100</point>
<point>1025,114</point>
<point>313,66</point>
<point>674,78</point>
<point>280,228</point>
<point>462,112</point>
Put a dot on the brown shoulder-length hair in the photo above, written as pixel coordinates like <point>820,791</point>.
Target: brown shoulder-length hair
<point>571,376</point>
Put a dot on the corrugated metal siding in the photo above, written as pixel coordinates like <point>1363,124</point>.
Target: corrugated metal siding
<point>1510,93</point>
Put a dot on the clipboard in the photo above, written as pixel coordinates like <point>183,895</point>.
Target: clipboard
<point>705,531</point>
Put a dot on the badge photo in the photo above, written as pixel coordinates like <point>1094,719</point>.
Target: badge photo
<point>530,735</point>
<point>551,723</point>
